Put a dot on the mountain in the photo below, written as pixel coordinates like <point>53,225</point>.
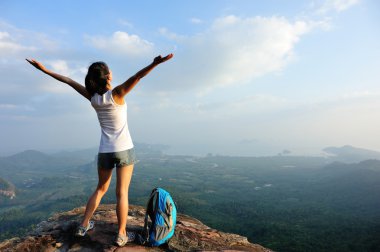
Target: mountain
<point>350,154</point>
<point>40,160</point>
<point>31,166</point>
<point>56,234</point>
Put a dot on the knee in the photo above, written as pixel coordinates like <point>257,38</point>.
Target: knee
<point>120,193</point>
<point>102,189</point>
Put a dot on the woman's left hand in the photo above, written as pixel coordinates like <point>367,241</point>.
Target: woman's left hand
<point>37,65</point>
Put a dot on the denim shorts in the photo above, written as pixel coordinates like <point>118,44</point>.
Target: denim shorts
<point>118,159</point>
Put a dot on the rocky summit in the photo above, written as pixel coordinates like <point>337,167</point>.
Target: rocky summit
<point>56,234</point>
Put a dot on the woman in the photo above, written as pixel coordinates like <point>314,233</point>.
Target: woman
<point>116,146</point>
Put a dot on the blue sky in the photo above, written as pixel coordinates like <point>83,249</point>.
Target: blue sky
<point>247,78</point>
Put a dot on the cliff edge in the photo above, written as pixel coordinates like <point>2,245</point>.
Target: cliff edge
<point>56,234</point>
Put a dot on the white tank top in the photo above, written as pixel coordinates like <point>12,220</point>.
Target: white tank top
<point>113,123</point>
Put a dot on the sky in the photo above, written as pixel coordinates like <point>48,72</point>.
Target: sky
<point>248,77</point>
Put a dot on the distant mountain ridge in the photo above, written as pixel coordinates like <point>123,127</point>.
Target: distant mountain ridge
<point>28,156</point>
<point>351,154</point>
<point>28,165</point>
<point>33,162</point>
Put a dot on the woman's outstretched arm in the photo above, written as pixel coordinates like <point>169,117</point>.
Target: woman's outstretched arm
<point>120,91</point>
<point>78,87</point>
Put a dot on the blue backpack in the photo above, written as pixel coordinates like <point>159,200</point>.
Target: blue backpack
<point>162,212</point>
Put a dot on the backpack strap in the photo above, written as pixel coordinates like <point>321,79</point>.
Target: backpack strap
<point>148,214</point>
<point>165,217</point>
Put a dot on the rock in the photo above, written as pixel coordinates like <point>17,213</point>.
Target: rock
<point>56,235</point>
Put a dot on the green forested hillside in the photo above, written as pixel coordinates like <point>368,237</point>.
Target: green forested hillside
<point>284,203</point>
<point>5,185</point>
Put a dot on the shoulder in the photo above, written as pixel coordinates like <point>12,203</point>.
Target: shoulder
<point>116,98</point>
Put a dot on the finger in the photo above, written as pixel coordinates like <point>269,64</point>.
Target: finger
<point>30,62</point>
<point>169,56</point>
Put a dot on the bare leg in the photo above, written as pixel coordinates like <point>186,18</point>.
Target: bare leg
<point>93,202</point>
<point>124,176</point>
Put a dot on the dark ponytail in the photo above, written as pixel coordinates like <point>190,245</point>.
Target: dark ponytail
<point>97,78</point>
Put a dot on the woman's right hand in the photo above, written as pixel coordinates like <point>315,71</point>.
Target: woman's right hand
<point>37,65</point>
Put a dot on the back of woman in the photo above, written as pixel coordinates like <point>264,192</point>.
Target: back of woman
<point>116,146</point>
<point>113,121</point>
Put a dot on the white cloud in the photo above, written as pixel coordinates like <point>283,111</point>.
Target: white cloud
<point>236,50</point>
<point>9,45</point>
<point>60,66</point>
<point>7,106</point>
<point>122,43</point>
<point>196,20</point>
<point>249,105</point>
<point>126,23</point>
<point>170,35</point>
<point>13,107</point>
<point>363,94</point>
<point>336,5</point>
<point>74,71</point>
<point>15,41</point>
<point>261,105</point>
<point>353,98</point>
